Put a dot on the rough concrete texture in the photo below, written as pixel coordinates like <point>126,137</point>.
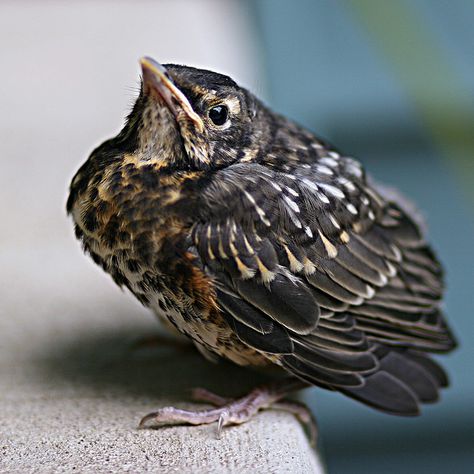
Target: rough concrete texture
<point>72,385</point>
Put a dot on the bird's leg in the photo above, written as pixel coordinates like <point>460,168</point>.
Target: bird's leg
<point>298,409</point>
<point>205,396</point>
<point>234,412</point>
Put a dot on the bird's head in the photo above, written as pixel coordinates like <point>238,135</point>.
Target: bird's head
<point>187,118</point>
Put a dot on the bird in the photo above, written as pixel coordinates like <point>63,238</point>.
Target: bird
<point>266,246</point>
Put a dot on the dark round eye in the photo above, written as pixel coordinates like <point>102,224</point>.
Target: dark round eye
<point>219,114</point>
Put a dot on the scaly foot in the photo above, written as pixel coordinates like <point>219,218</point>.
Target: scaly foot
<point>238,411</point>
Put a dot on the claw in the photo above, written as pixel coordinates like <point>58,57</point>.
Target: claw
<point>238,411</point>
<point>221,423</point>
<point>147,418</point>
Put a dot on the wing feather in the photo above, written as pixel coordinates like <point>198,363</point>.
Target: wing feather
<point>316,269</point>
<point>288,302</point>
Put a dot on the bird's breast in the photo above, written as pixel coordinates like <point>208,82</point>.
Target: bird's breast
<point>130,209</point>
<point>133,226</point>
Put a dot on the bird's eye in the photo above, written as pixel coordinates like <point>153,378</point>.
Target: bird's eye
<point>219,114</point>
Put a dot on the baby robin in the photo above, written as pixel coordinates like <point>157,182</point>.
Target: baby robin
<point>264,245</point>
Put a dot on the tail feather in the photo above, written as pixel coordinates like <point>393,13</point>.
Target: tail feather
<point>404,380</point>
<point>385,392</point>
<point>412,374</point>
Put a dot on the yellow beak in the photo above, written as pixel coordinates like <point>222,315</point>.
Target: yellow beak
<point>156,78</point>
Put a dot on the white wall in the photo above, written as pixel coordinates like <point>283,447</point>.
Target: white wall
<point>69,73</point>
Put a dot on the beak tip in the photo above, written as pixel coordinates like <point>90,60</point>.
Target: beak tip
<point>149,64</point>
<point>145,61</point>
<point>156,77</point>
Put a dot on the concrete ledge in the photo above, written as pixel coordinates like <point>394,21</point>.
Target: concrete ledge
<point>73,386</point>
<point>98,435</point>
<point>77,410</point>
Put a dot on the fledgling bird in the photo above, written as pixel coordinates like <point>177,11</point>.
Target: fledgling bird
<point>264,245</point>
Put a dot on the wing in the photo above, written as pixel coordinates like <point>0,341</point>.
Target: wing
<point>337,285</point>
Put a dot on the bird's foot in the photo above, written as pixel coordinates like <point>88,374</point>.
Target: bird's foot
<point>235,411</point>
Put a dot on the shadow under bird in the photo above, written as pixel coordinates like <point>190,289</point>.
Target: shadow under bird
<point>264,245</point>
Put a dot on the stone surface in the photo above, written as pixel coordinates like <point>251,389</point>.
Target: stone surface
<point>75,381</point>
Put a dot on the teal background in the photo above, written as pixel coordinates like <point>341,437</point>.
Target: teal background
<point>391,83</point>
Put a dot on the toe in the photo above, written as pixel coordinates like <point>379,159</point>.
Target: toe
<point>203,395</point>
<point>146,419</point>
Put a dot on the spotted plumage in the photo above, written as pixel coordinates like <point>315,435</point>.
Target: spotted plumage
<point>263,243</point>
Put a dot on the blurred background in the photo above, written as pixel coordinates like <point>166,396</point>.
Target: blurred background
<point>388,82</point>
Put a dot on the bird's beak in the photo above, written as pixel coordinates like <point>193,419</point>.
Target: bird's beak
<point>156,78</point>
